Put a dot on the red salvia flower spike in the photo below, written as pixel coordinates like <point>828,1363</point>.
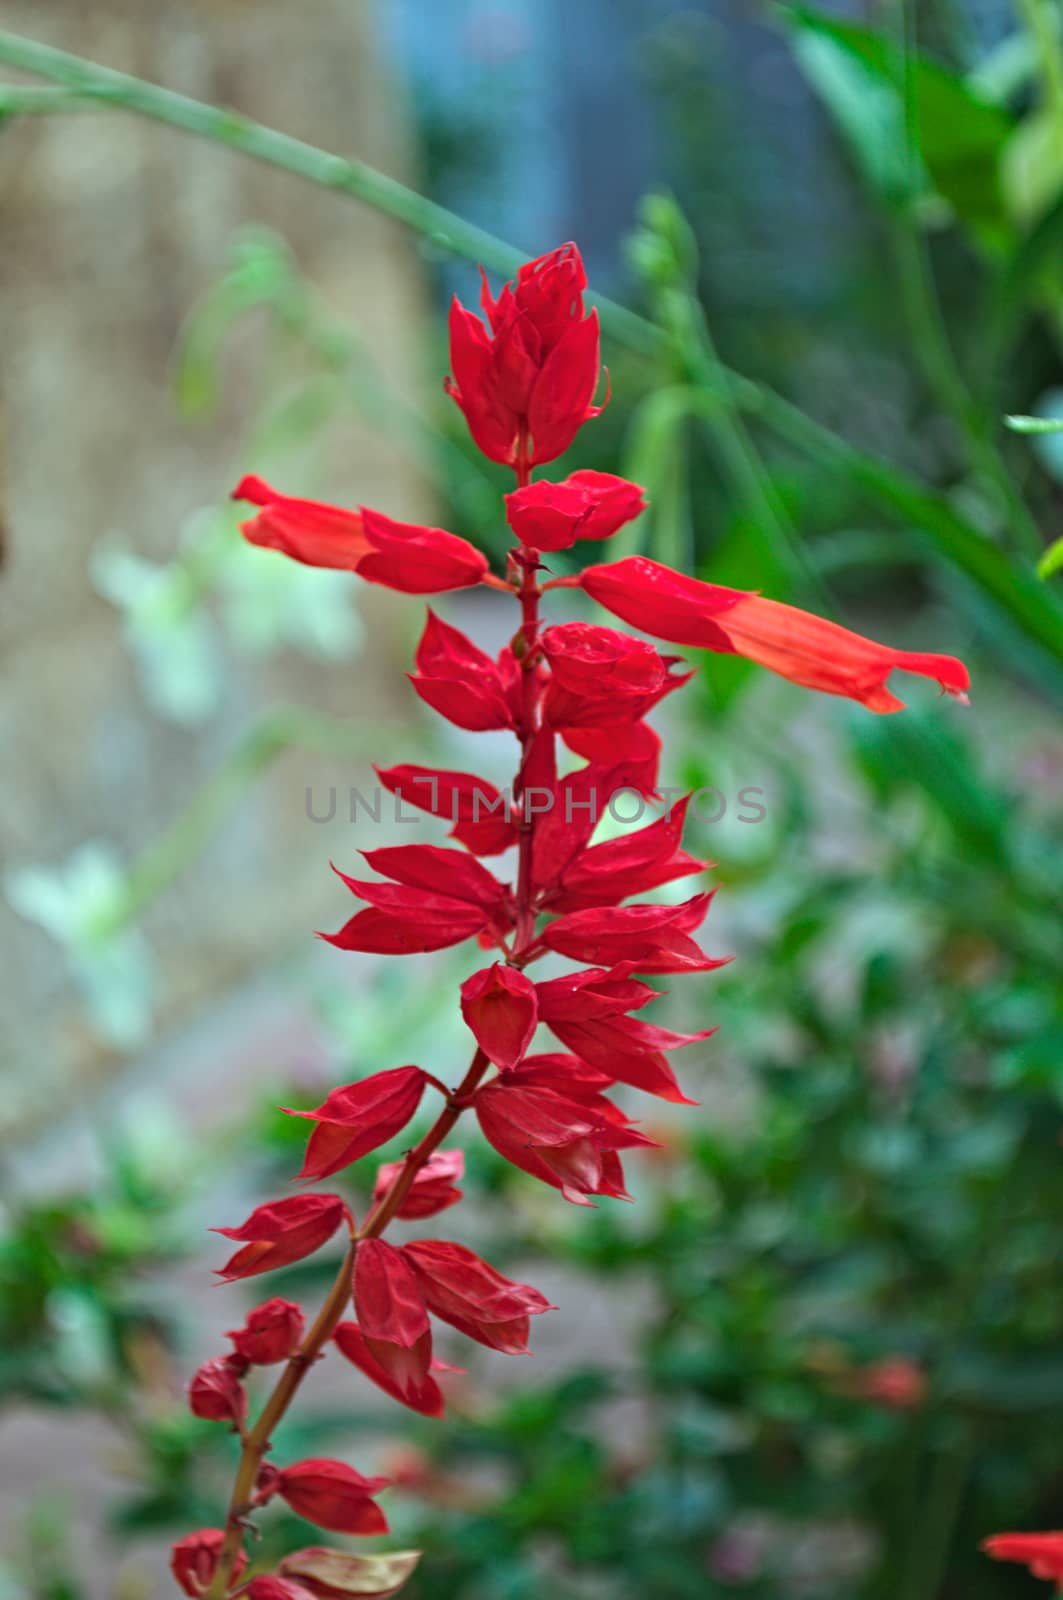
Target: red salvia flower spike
<point>433,1189</point>
<point>333,1495</point>
<point>462,1289</point>
<point>500,1007</point>
<point>194,1560</point>
<point>399,555</point>
<point>360,1117</point>
<point>809,650</point>
<point>283,1231</point>
<point>418,1390</point>
<point>388,1297</point>
<point>459,680</point>
<point>587,505</point>
<point>1041,1552</point>
<point>271,1333</point>
<point>216,1393</point>
<point>481,815</point>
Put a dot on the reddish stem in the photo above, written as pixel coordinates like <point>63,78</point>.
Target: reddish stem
<point>256,1442</point>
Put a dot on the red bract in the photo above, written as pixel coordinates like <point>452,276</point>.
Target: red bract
<point>653,938</point>
<point>457,679</point>
<point>406,919</point>
<point>216,1394</point>
<point>536,372</point>
<point>588,505</point>
<point>359,1118</point>
<point>499,1006</point>
<point>194,1560</point>
<point>807,649</point>
<point>432,1189</point>
<point>1041,1552</point>
<point>601,678</point>
<point>481,814</point>
<point>465,1291</point>
<point>270,1333</point>
<point>387,1295</point>
<point>282,1232</point>
<point>333,1495</point>
<point>410,1385</point>
<point>569,1144</point>
<point>631,864</point>
<point>399,555</point>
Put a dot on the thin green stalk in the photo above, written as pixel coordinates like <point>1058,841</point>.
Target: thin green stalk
<point>922,306</point>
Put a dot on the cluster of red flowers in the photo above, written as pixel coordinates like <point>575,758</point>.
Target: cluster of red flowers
<point>526,382</point>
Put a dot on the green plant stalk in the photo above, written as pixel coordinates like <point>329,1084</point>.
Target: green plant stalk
<point>1036,17</point>
<point>1035,609</point>
<point>919,297</point>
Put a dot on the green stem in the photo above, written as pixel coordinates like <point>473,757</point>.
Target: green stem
<point>922,306</point>
<point>1045,33</point>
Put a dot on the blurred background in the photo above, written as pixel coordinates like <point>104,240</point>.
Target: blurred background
<point>821,1356</point>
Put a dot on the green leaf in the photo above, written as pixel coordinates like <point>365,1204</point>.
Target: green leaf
<point>1051,561</point>
<point>1035,424</point>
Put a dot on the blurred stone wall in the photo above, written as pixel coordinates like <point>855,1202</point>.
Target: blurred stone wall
<point>113,226</point>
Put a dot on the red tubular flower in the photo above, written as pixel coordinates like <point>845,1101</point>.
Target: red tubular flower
<point>194,1560</point>
<point>399,555</point>
<point>333,1495</point>
<point>460,681</point>
<point>360,1117</point>
<point>653,938</point>
<point>500,1007</point>
<point>411,1387</point>
<point>216,1394</point>
<point>538,368</point>
<point>271,1332</point>
<point>465,1291</point>
<point>805,648</point>
<point>433,1189</point>
<point>281,1232</point>
<point>1041,1552</point>
<point>482,816</point>
<point>571,1145</point>
<point>588,505</point>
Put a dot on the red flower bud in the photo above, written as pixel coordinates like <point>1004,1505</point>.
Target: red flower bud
<point>387,1295</point>
<point>500,1007</point>
<point>465,1291</point>
<point>271,1332</point>
<point>399,555</point>
<point>432,1189</point>
<point>282,1232</point>
<point>194,1560</point>
<point>360,1117</point>
<point>216,1394</point>
<point>333,1495</point>
<point>807,649</point>
<point>587,505</point>
<point>459,680</point>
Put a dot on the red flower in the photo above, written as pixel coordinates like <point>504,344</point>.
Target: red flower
<point>410,1385</point>
<point>432,1189</point>
<point>587,1010</point>
<point>1041,1552</point>
<point>500,1007</point>
<point>465,1291</point>
<point>601,678</point>
<point>895,1382</point>
<point>358,1118</point>
<point>538,368</point>
<point>630,864</point>
<point>216,1394</point>
<point>807,649</point>
<point>194,1560</point>
<point>653,938</point>
<point>409,918</point>
<point>481,814</point>
<point>271,1332</point>
<point>400,555</point>
<point>333,1495</point>
<point>387,1296</point>
<point>588,505</point>
<point>281,1232</point>
<point>571,1145</point>
<point>460,681</point>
